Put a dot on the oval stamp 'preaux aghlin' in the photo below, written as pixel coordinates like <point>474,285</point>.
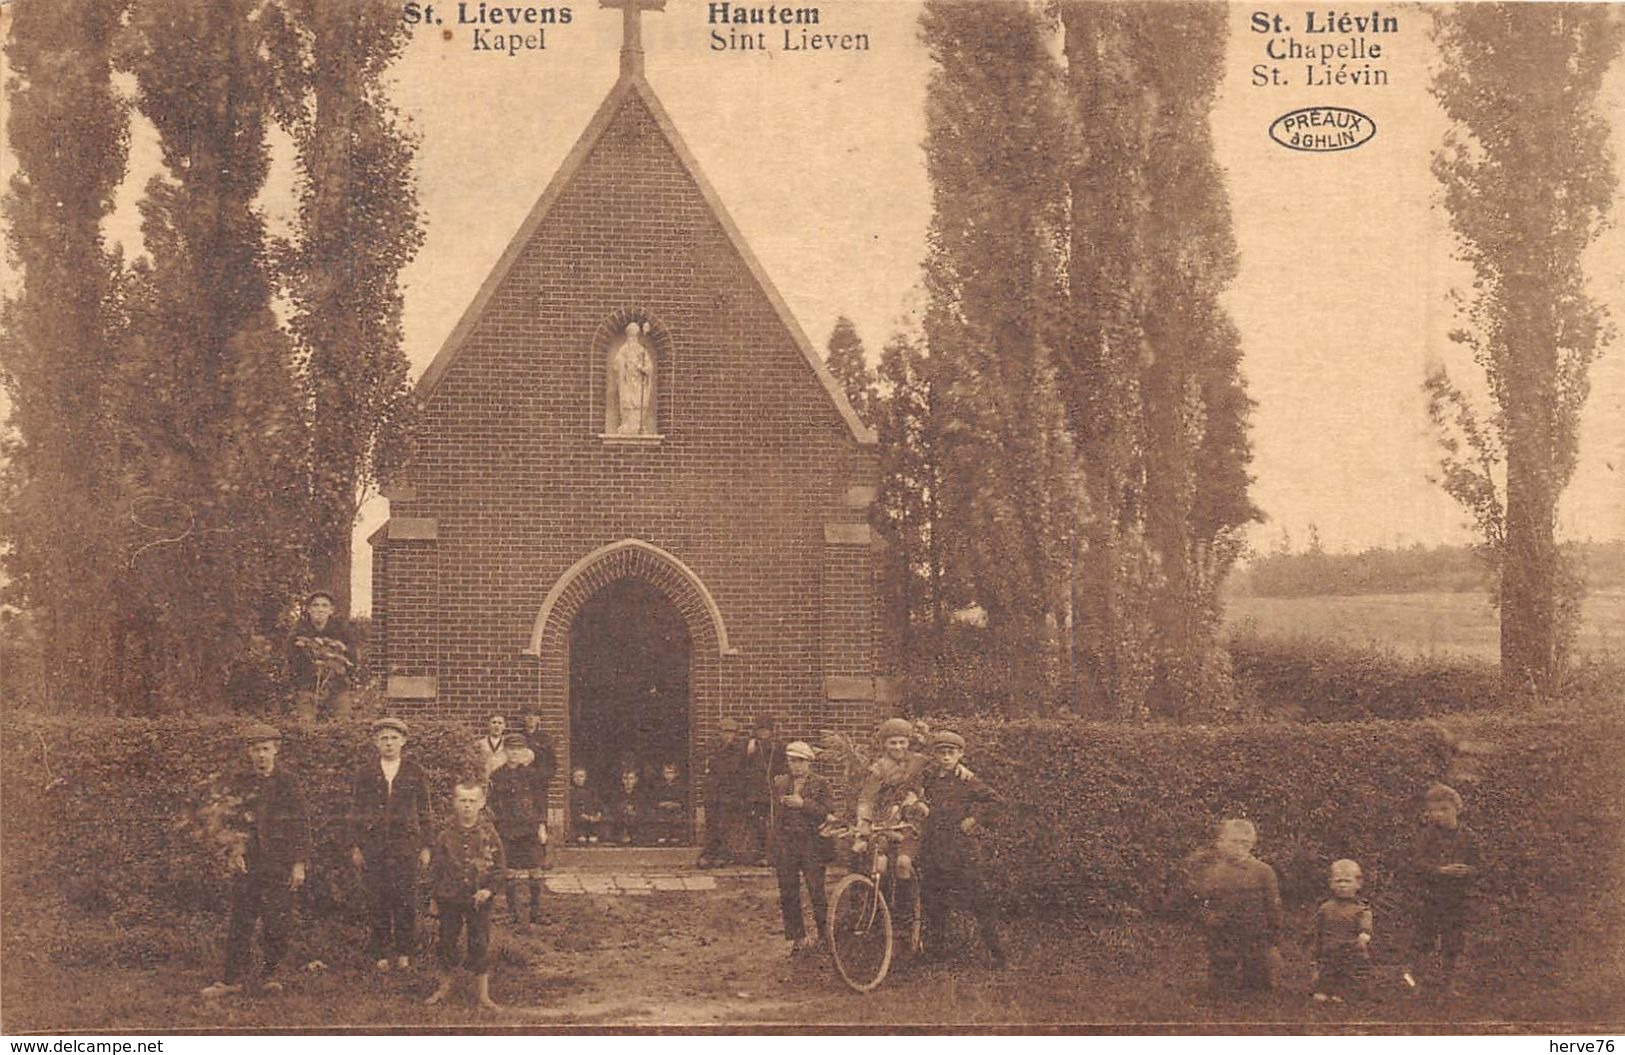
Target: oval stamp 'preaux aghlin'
<point>1323,129</point>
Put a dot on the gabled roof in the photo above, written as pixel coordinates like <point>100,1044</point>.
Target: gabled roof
<point>628,85</point>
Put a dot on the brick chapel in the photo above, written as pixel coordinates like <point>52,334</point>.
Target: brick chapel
<point>639,502</point>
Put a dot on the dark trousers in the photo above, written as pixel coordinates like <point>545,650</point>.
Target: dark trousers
<point>944,889</point>
<point>391,880</point>
<point>671,825</point>
<point>262,898</point>
<point>722,832</point>
<point>523,852</point>
<point>456,916</point>
<point>1441,923</point>
<point>793,864</point>
<point>1343,971</point>
<point>1239,960</point>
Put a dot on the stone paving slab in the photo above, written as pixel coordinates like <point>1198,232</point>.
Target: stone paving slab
<point>635,884</point>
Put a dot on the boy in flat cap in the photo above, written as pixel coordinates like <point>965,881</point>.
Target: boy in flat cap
<point>805,801</point>
<point>519,805</point>
<point>390,832</point>
<point>764,761</point>
<point>893,790</point>
<point>723,797</point>
<point>951,870</point>
<point>320,659</point>
<point>267,829</point>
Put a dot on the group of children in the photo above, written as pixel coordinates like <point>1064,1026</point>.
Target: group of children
<point>1240,904</point>
<point>632,813</point>
<point>928,808</point>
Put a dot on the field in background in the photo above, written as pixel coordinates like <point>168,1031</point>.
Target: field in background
<point>1415,623</point>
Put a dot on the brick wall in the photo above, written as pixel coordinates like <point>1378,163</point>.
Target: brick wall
<point>754,469</point>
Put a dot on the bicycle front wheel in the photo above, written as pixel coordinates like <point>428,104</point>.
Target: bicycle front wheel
<point>860,934</point>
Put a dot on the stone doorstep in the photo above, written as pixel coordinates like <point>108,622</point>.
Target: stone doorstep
<point>600,883</point>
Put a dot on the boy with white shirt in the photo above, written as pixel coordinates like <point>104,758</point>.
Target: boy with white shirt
<point>390,833</point>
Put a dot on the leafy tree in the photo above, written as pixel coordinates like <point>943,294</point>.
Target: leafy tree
<point>59,333</point>
<point>998,139</point>
<point>358,227</point>
<point>845,358</point>
<point>1528,181</point>
<point>1156,405</point>
<point>213,441</point>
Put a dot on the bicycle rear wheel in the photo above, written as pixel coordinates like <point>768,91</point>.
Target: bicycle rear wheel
<point>860,933</point>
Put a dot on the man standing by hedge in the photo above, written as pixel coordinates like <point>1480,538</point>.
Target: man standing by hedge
<point>266,829</point>
<point>390,834</point>
<point>949,864</point>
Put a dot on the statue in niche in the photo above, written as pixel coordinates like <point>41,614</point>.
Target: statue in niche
<point>632,367</point>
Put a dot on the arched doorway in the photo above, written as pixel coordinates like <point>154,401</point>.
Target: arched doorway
<point>630,658</point>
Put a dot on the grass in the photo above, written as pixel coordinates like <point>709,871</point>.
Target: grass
<point>717,961</point>
<point>1416,623</point>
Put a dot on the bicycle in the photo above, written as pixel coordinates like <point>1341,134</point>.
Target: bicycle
<point>860,936</point>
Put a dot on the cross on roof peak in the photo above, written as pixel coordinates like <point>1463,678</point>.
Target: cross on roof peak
<point>632,30</point>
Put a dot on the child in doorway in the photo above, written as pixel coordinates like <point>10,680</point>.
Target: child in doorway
<point>586,808</point>
<point>628,810</point>
<point>668,811</point>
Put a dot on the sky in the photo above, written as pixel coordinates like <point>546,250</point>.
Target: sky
<point>1346,264</point>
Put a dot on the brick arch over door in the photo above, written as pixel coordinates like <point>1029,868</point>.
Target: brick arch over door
<point>632,558</point>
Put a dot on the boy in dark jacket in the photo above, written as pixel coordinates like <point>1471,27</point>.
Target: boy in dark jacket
<point>267,830</point>
<point>1445,862</point>
<point>724,808</point>
<point>1337,951</point>
<point>586,808</point>
<point>463,872</point>
<point>764,760</point>
<point>951,872</point>
<point>668,808</point>
<point>628,810</point>
<point>518,805</point>
<point>804,802</point>
<point>320,660</point>
<point>390,830</point>
<point>1240,901</point>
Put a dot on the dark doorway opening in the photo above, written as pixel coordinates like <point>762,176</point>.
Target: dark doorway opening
<point>629,691</point>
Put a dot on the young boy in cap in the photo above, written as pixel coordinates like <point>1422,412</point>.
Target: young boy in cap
<point>519,805</point>
<point>270,846</point>
<point>805,801</point>
<point>951,872</point>
<point>543,768</point>
<point>1241,908</point>
<point>587,822</point>
<point>1337,951</point>
<point>1445,862</point>
<point>320,659</point>
<point>463,871</point>
<point>892,790</point>
<point>723,818</point>
<point>390,830</point>
<point>764,761</point>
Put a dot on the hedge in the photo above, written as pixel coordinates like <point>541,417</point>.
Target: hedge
<point>1100,815</point>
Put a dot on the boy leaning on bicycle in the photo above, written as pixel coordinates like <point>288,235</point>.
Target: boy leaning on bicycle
<point>895,788</point>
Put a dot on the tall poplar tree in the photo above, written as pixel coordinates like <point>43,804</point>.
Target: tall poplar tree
<point>358,227</point>
<point>213,437</point>
<point>998,140</point>
<point>1528,181</point>
<point>68,130</point>
<point>1152,377</point>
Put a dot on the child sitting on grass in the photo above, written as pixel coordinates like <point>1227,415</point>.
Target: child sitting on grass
<point>1240,901</point>
<point>1337,950</point>
<point>1445,861</point>
<point>464,868</point>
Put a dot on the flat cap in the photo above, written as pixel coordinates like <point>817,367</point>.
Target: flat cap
<point>389,723</point>
<point>728,725</point>
<point>516,740</point>
<point>894,727</point>
<point>800,749</point>
<point>259,731</point>
<point>947,738</point>
<point>765,721</point>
